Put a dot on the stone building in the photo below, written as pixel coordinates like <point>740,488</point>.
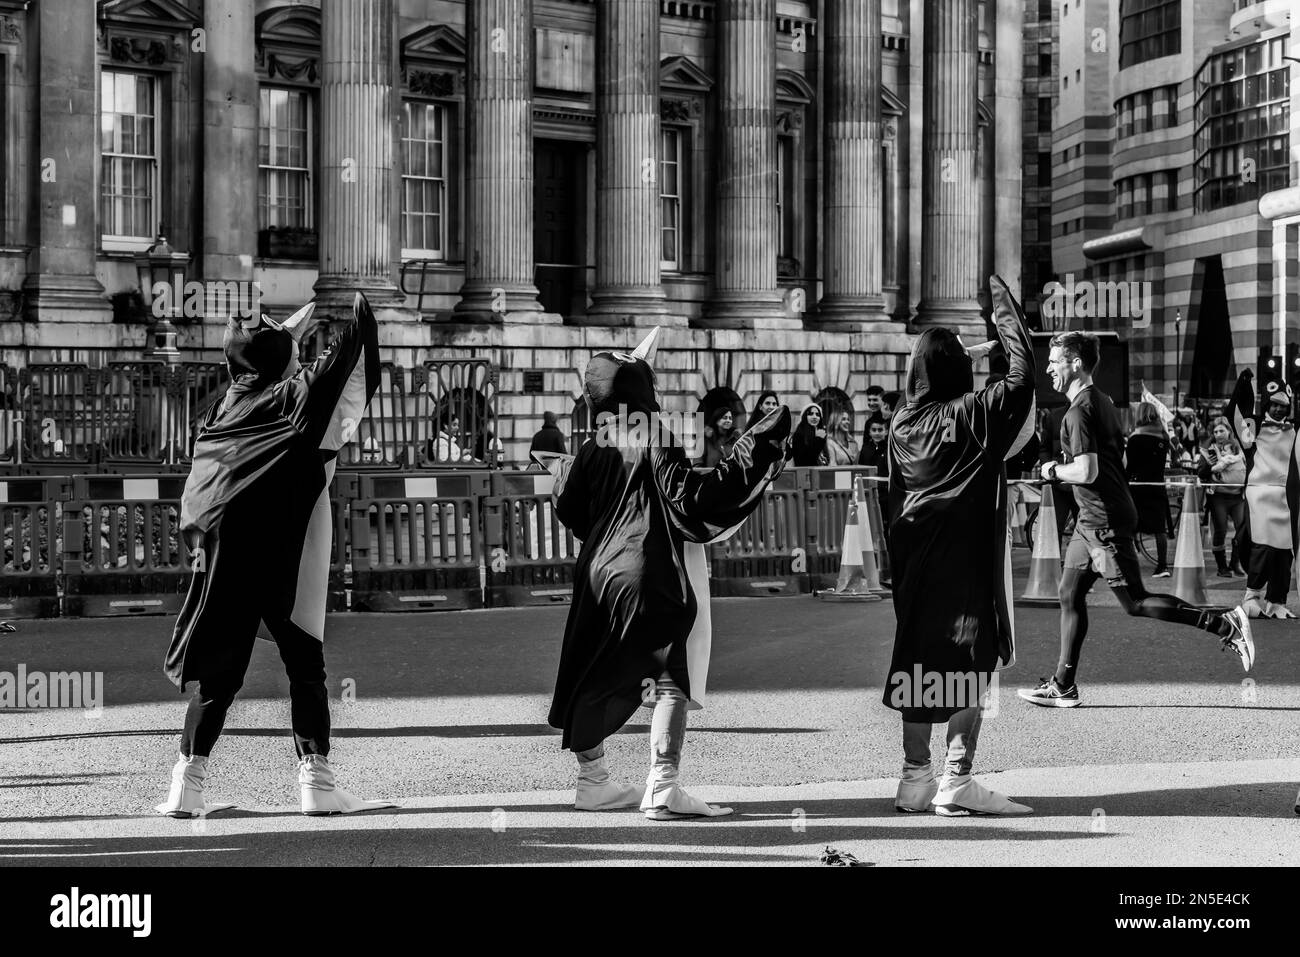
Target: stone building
<point>788,188</point>
<point>1176,164</point>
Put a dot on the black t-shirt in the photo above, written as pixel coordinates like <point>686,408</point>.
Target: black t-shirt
<point>1091,424</point>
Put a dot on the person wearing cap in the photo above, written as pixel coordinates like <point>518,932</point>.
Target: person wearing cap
<point>1272,489</point>
<point>255,516</point>
<point>638,632</point>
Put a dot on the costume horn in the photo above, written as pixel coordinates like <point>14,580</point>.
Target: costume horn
<point>646,350</point>
<point>300,322</point>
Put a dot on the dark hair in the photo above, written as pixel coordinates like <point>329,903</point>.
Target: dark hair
<point>1083,346</point>
<point>875,390</point>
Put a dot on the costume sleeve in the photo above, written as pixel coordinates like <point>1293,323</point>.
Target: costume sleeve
<point>1002,414</point>
<point>327,400</point>
<point>573,497</point>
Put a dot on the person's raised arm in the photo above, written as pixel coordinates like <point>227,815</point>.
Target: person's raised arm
<point>1003,409</point>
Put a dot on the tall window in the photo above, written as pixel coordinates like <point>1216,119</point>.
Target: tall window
<point>284,159</point>
<point>425,167</point>
<point>785,195</point>
<point>671,195</point>
<point>128,146</point>
<point>1149,29</point>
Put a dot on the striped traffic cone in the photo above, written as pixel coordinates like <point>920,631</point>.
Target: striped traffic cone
<point>857,557</point>
<point>1045,564</point>
<point>1189,560</point>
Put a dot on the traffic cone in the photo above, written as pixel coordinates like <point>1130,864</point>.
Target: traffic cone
<point>1045,564</point>
<point>1189,560</point>
<point>857,557</point>
<point>876,525</point>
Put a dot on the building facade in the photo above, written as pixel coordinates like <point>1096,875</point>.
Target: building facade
<point>787,188</point>
<point>1174,184</point>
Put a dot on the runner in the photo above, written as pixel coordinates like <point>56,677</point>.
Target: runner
<point>1102,543</point>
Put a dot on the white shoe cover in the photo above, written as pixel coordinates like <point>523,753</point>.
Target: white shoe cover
<point>666,800</point>
<point>1253,604</point>
<point>1274,610</point>
<point>320,795</point>
<point>916,790</point>
<point>596,791</point>
<point>963,796</point>
<point>185,799</point>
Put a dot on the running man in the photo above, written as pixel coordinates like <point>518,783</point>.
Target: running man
<point>1102,544</point>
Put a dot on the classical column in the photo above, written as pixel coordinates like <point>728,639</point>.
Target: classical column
<point>499,178</point>
<point>744,287</point>
<point>853,257</point>
<point>1008,142</point>
<point>627,164</point>
<point>230,105</point>
<point>61,284</point>
<point>357,133</point>
<point>950,228</point>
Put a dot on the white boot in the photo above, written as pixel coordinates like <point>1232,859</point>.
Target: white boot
<point>185,799</point>
<point>666,800</point>
<point>597,791</point>
<point>916,790</point>
<point>320,795</point>
<point>1253,603</point>
<point>962,796</point>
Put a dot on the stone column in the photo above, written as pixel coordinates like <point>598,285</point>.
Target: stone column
<point>230,107</point>
<point>744,288</point>
<point>499,179</point>
<point>357,133</point>
<point>1008,139</point>
<point>853,264</point>
<point>61,284</point>
<point>950,228</point>
<point>627,163</point>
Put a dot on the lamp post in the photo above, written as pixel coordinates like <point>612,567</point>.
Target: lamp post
<point>161,271</point>
<point>1178,354</point>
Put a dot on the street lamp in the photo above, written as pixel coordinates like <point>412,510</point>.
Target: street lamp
<point>161,272</point>
<point>1178,354</point>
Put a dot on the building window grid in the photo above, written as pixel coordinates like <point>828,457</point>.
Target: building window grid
<point>1149,29</point>
<point>785,206</point>
<point>1242,114</point>
<point>284,143</point>
<point>1146,194</point>
<point>425,166</point>
<point>1146,111</point>
<point>670,198</point>
<point>129,172</point>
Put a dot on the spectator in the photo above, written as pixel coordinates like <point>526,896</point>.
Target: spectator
<point>548,438</point>
<point>1144,461</point>
<point>768,402</point>
<point>875,450</point>
<point>841,446</point>
<point>1223,464</point>
<point>446,448</point>
<point>719,436</point>
<point>809,443</point>
<point>889,404</point>
<point>875,401</point>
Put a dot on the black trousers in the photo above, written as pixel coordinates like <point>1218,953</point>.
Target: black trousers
<point>1270,571</point>
<point>304,661</point>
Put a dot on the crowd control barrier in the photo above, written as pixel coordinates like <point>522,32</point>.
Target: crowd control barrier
<point>29,515</point>
<point>767,555</point>
<point>828,491</point>
<point>122,550</point>
<point>529,554</point>
<point>416,542</point>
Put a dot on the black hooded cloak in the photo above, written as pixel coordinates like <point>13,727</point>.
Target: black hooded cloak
<point>642,512</point>
<point>255,512</point>
<point>948,542</point>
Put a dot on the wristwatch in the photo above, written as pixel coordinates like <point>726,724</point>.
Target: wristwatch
<point>1051,472</point>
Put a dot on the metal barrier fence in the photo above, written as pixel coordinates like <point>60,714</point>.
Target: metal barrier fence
<point>29,514</point>
<point>530,554</point>
<point>828,491</point>
<point>768,554</point>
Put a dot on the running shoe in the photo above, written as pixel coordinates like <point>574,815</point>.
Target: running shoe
<point>1239,639</point>
<point>1161,572</point>
<point>1049,694</point>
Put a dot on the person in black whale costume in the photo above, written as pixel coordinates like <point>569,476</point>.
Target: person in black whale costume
<point>950,553</point>
<point>256,519</point>
<point>638,631</point>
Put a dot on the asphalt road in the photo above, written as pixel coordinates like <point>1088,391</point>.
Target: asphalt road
<point>1173,759</point>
